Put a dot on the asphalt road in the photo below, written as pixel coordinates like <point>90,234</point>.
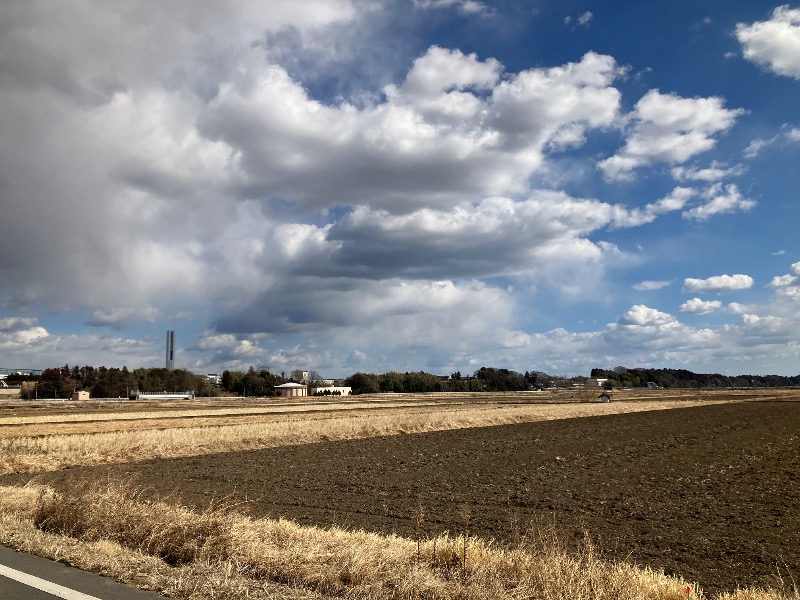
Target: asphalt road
<point>28,577</point>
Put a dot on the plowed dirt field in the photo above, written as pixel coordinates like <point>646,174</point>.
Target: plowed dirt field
<point>711,493</point>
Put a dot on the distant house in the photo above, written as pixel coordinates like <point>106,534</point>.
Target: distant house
<point>595,382</point>
<point>291,390</point>
<point>80,395</point>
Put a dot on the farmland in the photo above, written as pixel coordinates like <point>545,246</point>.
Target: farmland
<point>703,486</point>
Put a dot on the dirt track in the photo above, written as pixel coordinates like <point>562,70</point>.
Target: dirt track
<point>711,493</point>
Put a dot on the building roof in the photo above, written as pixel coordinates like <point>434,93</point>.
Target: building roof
<point>291,385</point>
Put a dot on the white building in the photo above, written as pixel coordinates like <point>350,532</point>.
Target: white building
<point>291,390</point>
<point>332,390</point>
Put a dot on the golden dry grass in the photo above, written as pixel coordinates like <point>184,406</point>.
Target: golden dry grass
<point>175,419</point>
<point>39,453</point>
<point>219,553</point>
<point>197,580</point>
<point>330,562</point>
<point>26,412</point>
<point>134,412</point>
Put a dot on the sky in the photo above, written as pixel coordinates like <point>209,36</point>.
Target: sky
<point>400,185</point>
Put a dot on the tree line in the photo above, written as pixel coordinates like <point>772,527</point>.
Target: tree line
<point>114,382</point>
<point>485,379</point>
<point>103,382</point>
<point>681,378</point>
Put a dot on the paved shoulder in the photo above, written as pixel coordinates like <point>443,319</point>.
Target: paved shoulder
<point>27,577</point>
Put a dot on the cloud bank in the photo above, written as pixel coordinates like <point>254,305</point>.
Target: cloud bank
<point>228,169</point>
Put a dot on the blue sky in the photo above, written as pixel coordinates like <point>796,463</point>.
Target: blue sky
<point>439,185</point>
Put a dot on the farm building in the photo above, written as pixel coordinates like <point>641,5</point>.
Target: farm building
<point>291,390</point>
<point>82,395</point>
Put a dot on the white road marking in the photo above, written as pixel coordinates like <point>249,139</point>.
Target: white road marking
<point>59,591</point>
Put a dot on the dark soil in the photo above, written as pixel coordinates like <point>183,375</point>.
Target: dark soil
<point>710,493</point>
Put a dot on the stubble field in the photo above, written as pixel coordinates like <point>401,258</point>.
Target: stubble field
<point>708,492</point>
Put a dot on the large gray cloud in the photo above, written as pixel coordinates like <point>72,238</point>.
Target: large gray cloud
<point>126,185</point>
<point>89,221</point>
<point>451,131</point>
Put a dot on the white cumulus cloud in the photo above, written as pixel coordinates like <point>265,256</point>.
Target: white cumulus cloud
<point>788,285</point>
<point>453,129</point>
<point>720,200</point>
<point>787,136</point>
<point>669,128</point>
<point>649,286</point>
<point>465,7</point>
<point>739,309</point>
<point>17,333</point>
<point>718,284</point>
<point>715,172</point>
<point>755,147</point>
<point>773,44</point>
<point>644,316</point>
<point>696,306</point>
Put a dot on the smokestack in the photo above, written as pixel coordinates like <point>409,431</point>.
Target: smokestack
<point>170,350</point>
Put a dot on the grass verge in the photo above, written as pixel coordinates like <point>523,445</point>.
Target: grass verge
<point>222,554</point>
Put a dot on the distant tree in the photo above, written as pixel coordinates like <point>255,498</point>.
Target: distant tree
<point>391,382</point>
<point>229,380</point>
<point>420,382</point>
<point>363,383</point>
<point>55,383</point>
<point>682,378</point>
<point>501,380</point>
<point>254,383</point>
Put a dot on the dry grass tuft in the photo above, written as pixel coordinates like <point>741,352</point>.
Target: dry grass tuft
<point>117,513</point>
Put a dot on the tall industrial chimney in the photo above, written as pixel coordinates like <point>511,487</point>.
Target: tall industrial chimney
<point>170,350</point>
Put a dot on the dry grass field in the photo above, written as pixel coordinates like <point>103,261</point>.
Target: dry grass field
<point>160,531</point>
